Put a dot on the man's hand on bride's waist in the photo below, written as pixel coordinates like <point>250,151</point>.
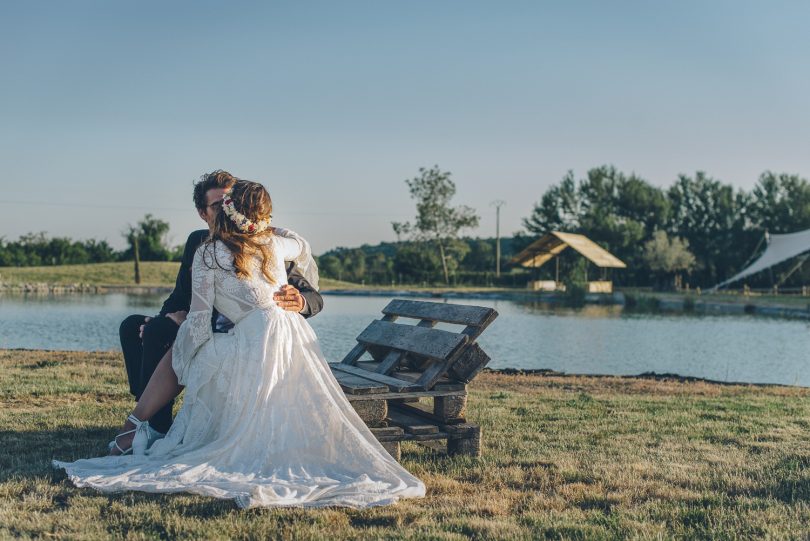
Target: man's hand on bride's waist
<point>289,298</point>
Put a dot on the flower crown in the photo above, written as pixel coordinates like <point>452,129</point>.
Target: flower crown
<point>242,222</point>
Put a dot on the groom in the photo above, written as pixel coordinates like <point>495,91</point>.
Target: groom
<point>145,340</point>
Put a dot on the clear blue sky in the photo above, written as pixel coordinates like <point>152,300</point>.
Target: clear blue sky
<point>111,109</point>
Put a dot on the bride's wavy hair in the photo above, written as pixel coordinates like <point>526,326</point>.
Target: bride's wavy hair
<point>252,200</point>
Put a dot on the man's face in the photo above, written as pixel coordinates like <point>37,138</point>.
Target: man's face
<point>214,204</point>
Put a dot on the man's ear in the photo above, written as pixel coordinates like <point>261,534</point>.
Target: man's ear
<point>202,215</point>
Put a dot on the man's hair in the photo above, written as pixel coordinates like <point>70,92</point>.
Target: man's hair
<point>215,179</point>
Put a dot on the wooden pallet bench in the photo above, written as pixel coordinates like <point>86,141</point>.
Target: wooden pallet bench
<point>408,380</point>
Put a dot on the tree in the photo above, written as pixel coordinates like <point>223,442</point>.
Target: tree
<point>332,266</point>
<point>711,216</point>
<point>668,256</point>
<point>436,220</point>
<point>151,234</point>
<point>615,210</point>
<point>558,209</point>
<point>355,264</point>
<point>481,255</point>
<point>415,264</point>
<point>780,203</point>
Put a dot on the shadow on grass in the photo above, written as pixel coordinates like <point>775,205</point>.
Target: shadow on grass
<point>793,480</point>
<point>28,454</point>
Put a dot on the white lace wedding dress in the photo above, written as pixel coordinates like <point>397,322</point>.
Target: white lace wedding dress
<point>263,420</point>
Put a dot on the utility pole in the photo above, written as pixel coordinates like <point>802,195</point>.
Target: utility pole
<point>137,254</point>
<point>498,204</point>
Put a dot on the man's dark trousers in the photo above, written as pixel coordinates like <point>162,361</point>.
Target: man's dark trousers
<point>142,357</point>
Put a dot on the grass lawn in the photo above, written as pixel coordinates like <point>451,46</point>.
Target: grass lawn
<point>564,457</point>
<point>724,297</point>
<point>153,273</point>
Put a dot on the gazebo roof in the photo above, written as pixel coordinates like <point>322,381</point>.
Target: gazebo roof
<point>551,244</point>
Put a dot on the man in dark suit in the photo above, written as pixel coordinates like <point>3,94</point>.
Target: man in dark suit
<point>145,340</point>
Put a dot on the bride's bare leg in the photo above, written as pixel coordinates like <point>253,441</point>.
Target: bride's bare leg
<point>162,388</point>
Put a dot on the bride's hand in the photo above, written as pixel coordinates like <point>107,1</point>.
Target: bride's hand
<point>289,298</point>
<point>178,317</point>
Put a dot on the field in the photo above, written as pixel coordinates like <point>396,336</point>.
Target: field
<point>153,274</point>
<point>564,457</point>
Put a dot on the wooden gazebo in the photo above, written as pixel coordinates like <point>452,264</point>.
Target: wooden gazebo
<point>550,245</point>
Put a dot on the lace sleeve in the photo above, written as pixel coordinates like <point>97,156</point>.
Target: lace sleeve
<point>301,254</point>
<point>196,329</point>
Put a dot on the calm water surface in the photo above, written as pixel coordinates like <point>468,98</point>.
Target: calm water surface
<point>591,340</point>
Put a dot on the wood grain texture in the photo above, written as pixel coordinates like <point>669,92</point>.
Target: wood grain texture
<point>372,412</point>
<point>391,361</point>
<point>352,384</point>
<point>439,311</point>
<point>467,366</point>
<point>394,384</point>
<point>431,343</point>
<point>354,355</point>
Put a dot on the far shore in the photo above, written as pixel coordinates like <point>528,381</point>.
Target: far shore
<point>527,372</point>
<point>157,278</point>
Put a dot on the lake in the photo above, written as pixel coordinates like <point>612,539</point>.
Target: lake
<point>588,340</point>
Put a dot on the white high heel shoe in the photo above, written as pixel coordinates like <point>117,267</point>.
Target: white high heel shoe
<point>140,442</point>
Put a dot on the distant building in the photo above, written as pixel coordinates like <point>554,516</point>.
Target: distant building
<point>550,245</point>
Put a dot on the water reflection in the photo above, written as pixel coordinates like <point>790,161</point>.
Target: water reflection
<point>593,339</point>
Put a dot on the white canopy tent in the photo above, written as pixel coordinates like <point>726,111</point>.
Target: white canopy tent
<point>779,248</point>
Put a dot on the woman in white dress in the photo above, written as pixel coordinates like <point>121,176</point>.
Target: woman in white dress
<point>263,421</point>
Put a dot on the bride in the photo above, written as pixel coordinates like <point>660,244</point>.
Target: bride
<point>263,421</point>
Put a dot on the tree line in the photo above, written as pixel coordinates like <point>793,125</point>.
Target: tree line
<point>38,249</point>
<point>698,231</point>
<point>699,227</point>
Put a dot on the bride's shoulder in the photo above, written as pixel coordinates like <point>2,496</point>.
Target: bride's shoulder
<point>213,253</point>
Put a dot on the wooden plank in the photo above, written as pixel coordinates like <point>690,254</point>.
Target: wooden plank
<point>390,362</point>
<point>425,437</point>
<point>469,364</point>
<point>393,384</point>
<point>474,331</point>
<point>372,412</point>
<point>469,431</point>
<point>387,431</point>
<point>440,311</point>
<point>411,423</point>
<point>421,410</point>
<point>433,372</point>
<point>434,445</point>
<point>352,384</point>
<point>377,353</point>
<point>354,355</point>
<point>449,407</point>
<point>442,384</point>
<point>371,366</point>
<point>407,436</point>
<point>410,394</point>
<point>431,343</point>
<point>463,430</point>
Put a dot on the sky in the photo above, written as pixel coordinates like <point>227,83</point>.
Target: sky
<point>111,110</point>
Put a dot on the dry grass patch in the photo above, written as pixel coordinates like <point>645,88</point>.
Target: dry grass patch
<point>565,457</point>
